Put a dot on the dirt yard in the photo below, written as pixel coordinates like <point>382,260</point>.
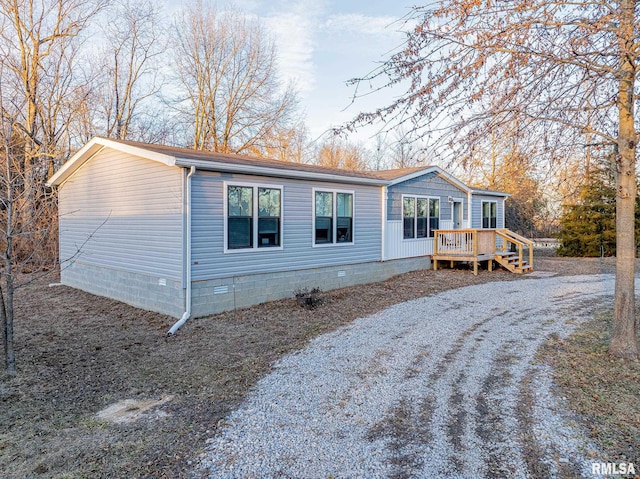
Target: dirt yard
<point>78,354</point>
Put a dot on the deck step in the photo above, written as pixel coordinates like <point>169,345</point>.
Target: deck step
<point>471,245</point>
<point>511,261</point>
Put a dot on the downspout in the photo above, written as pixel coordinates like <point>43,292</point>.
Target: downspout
<point>187,256</point>
<point>383,245</point>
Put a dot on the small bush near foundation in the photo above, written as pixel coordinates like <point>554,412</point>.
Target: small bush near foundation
<point>309,298</point>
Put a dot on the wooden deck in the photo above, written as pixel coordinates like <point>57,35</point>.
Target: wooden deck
<point>512,251</point>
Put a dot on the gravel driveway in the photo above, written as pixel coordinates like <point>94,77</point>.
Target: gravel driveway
<point>444,386</point>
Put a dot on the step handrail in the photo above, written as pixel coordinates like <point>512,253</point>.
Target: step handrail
<point>518,240</point>
<point>515,236</point>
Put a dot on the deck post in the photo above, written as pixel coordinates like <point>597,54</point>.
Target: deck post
<point>490,265</point>
<point>520,255</point>
<point>435,265</point>
<point>474,239</point>
<point>475,268</point>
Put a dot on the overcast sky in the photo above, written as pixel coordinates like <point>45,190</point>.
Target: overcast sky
<point>323,43</point>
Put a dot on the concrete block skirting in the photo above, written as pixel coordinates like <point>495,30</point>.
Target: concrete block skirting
<point>224,294</point>
<point>215,296</point>
<point>147,292</point>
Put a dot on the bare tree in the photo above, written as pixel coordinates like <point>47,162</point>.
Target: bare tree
<point>38,52</point>
<point>227,70</point>
<point>36,49</point>
<point>561,70</point>
<point>513,172</point>
<point>379,154</point>
<point>17,255</point>
<point>290,144</point>
<point>335,152</point>
<point>406,152</point>
<point>129,71</point>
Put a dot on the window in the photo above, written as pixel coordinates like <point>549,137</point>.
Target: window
<point>333,217</point>
<point>489,214</point>
<point>240,220</point>
<point>324,217</point>
<point>253,217</point>
<point>269,201</point>
<point>344,223</point>
<point>409,216</point>
<point>420,217</point>
<point>434,216</point>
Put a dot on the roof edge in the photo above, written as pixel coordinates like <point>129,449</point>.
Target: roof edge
<point>433,169</point>
<point>93,147</point>
<point>490,193</point>
<point>278,172</point>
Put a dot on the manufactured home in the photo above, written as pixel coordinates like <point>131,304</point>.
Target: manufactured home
<point>189,233</point>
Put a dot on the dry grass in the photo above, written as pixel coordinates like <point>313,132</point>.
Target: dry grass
<point>78,353</point>
<point>604,390</point>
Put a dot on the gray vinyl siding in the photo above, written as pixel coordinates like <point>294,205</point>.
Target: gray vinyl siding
<point>427,185</point>
<point>476,210</point>
<point>123,213</point>
<point>208,256</point>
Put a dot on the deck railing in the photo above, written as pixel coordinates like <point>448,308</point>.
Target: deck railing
<point>482,244</point>
<point>454,242</point>
<point>466,242</point>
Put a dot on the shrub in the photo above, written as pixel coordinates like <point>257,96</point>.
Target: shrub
<point>307,298</point>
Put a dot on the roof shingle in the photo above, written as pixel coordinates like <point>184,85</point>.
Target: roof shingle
<point>234,159</point>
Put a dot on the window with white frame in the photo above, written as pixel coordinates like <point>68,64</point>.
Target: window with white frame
<point>254,217</point>
<point>434,216</point>
<point>489,214</point>
<point>420,216</point>
<point>333,217</point>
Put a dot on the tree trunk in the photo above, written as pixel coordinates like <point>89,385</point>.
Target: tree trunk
<point>624,340</point>
<point>624,336</point>
<point>6,309</point>
<point>7,337</point>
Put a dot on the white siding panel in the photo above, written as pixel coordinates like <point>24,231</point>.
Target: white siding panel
<point>210,261</point>
<point>124,213</point>
<point>446,224</point>
<point>397,247</point>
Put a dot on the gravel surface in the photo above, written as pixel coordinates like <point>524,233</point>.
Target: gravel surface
<point>445,386</point>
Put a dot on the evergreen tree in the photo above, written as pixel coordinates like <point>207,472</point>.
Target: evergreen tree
<point>588,228</point>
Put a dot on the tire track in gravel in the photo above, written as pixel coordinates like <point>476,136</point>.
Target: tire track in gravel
<point>445,387</point>
<point>532,451</point>
<point>408,426</point>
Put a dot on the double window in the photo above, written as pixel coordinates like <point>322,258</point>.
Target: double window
<point>333,217</point>
<point>489,214</point>
<point>254,217</point>
<point>420,216</point>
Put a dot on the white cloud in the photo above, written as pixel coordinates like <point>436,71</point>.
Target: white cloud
<point>294,39</point>
<point>362,24</point>
<point>295,25</point>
